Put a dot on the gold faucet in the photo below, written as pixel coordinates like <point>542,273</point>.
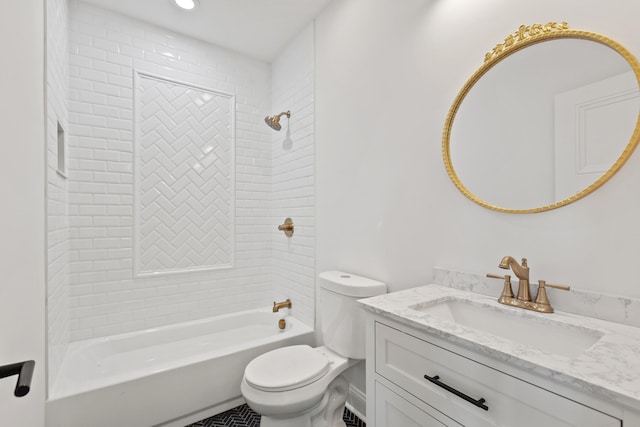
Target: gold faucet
<point>523,299</point>
<point>522,273</point>
<point>284,304</point>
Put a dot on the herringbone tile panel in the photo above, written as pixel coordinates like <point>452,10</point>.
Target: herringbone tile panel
<point>184,177</point>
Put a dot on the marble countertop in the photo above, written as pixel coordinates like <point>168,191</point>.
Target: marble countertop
<point>609,368</point>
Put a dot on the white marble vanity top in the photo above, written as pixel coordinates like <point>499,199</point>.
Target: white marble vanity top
<point>609,368</point>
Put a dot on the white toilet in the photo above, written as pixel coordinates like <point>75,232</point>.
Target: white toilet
<point>301,386</point>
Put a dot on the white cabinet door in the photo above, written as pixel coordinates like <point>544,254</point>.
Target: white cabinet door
<point>22,246</point>
<point>471,393</point>
<point>394,411</point>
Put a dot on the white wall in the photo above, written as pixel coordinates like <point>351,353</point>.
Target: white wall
<point>293,184</point>
<point>58,318</point>
<point>22,218</point>
<point>387,73</point>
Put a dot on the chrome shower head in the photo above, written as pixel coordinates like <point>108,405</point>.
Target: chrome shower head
<point>274,122</point>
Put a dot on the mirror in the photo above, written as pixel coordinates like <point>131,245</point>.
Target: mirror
<point>550,116</point>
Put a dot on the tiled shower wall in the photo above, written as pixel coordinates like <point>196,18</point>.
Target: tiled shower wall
<point>57,185</point>
<point>292,79</point>
<point>106,297</point>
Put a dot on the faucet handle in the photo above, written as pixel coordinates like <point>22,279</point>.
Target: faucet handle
<point>507,291</point>
<point>561,287</point>
<point>542,300</point>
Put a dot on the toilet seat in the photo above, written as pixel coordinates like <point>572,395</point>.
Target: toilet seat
<point>286,368</point>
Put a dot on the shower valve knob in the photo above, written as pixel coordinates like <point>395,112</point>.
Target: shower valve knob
<point>287,227</point>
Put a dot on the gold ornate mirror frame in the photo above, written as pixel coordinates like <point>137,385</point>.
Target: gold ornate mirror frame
<point>525,36</point>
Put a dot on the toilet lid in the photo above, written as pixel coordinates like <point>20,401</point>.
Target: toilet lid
<point>286,368</point>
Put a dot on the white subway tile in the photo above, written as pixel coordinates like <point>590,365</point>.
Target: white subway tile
<point>92,165</point>
<point>119,124</point>
<point>134,52</point>
<point>120,37</point>
<point>91,232</point>
<point>106,89</point>
<point>91,52</point>
<point>106,221</point>
<point>106,45</point>
<point>120,81</point>
<point>90,97</point>
<point>120,59</point>
<point>106,67</point>
<point>107,202</point>
<point>108,177</point>
<point>102,134</point>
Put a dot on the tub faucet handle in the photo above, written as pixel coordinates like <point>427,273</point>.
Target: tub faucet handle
<point>287,227</point>
<point>284,304</point>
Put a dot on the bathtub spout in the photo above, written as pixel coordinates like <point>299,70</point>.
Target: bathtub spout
<point>284,304</point>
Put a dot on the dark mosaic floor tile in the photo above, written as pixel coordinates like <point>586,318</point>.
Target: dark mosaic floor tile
<point>351,420</point>
<point>243,416</point>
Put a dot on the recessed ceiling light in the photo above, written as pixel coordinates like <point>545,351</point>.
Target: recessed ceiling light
<point>186,4</point>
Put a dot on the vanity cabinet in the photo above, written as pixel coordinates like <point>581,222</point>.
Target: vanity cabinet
<point>418,379</point>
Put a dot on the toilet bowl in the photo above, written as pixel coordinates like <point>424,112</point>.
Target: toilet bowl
<point>301,386</point>
<point>289,382</point>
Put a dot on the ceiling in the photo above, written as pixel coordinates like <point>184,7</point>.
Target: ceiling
<point>258,28</point>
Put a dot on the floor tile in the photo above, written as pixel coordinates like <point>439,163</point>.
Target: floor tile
<point>243,416</point>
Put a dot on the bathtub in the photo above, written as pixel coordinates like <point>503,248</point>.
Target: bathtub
<point>169,376</point>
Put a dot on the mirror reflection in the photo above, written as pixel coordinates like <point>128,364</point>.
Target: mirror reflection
<point>544,123</point>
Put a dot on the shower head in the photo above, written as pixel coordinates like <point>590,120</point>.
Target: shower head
<point>274,122</point>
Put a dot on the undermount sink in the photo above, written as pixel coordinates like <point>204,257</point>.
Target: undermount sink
<point>523,328</point>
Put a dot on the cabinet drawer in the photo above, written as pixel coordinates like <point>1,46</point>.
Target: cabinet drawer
<point>394,411</point>
<point>405,360</point>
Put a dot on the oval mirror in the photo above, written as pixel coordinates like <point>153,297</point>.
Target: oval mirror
<point>550,116</point>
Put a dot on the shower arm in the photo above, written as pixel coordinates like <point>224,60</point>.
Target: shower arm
<point>276,118</point>
<point>274,122</point>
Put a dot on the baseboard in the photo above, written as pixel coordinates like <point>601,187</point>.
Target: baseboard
<point>357,403</point>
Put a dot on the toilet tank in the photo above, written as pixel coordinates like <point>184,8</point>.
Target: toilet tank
<point>341,317</point>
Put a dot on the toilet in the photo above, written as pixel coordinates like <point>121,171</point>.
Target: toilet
<point>301,386</point>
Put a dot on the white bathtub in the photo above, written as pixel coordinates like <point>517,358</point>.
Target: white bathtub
<point>167,376</point>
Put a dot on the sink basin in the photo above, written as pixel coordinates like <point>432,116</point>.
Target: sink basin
<point>524,328</point>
